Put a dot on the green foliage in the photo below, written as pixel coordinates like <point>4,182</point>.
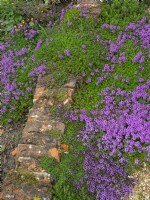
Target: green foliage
<point>47,163</point>
<point>87,95</point>
<point>62,172</point>
<point>9,16</point>
<point>55,134</point>
<point>74,32</point>
<point>76,35</point>
<point>62,191</point>
<point>40,10</point>
<point>122,12</point>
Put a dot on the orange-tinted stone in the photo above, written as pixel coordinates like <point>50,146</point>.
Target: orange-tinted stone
<point>14,152</point>
<point>54,153</point>
<point>65,147</point>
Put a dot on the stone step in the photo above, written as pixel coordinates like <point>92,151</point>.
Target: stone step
<point>28,163</point>
<point>41,136</point>
<point>40,126</point>
<point>29,150</point>
<point>38,138</point>
<point>38,115</point>
<point>24,185</point>
<point>35,152</point>
<point>71,84</point>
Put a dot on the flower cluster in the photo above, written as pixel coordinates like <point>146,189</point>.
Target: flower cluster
<point>104,177</point>
<point>124,122</point>
<point>25,27</point>
<point>84,12</point>
<point>110,27</point>
<point>30,33</point>
<point>38,71</point>
<point>120,123</point>
<point>38,45</point>
<point>62,14</point>
<point>13,63</point>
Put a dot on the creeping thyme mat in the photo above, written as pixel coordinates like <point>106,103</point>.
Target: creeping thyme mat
<point>108,126</point>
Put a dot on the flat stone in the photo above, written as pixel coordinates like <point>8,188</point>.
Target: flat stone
<point>70,93</point>
<point>42,177</point>
<point>54,153</point>
<point>46,126</point>
<point>39,91</point>
<point>57,125</point>
<point>36,114</point>
<point>28,163</point>
<point>50,102</point>
<point>28,150</point>
<point>37,138</point>
<point>71,84</point>
<point>27,191</point>
<point>32,126</point>
<point>1,131</point>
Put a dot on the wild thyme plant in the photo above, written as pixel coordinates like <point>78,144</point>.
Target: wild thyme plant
<point>108,127</point>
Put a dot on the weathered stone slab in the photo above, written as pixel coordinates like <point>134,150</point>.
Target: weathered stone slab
<point>26,189</point>
<point>1,131</point>
<point>70,84</point>
<point>39,91</point>
<point>28,163</point>
<point>57,125</point>
<point>37,138</point>
<point>32,126</point>
<point>28,150</point>
<point>70,93</point>
<point>37,114</point>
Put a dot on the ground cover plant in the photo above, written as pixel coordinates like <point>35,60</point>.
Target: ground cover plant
<point>111,106</point>
<point>108,126</point>
<point>19,69</point>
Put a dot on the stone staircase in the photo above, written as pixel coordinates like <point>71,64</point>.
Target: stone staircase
<point>28,180</point>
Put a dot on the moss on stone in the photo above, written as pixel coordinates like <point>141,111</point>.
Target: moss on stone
<point>55,134</point>
<point>20,177</point>
<point>61,94</point>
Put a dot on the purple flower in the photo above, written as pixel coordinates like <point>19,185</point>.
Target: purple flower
<point>33,58</point>
<point>30,34</point>
<point>142,59</point>
<point>97,38</point>
<point>61,56</point>
<point>136,161</point>
<point>88,80</point>
<point>141,80</point>
<point>38,45</point>
<point>83,46</point>
<point>49,23</point>
<point>67,52</point>
<point>106,68</point>
<point>137,57</point>
<point>113,48</point>
<point>141,67</point>
<point>22,52</point>
<point>62,14</point>
<point>29,89</point>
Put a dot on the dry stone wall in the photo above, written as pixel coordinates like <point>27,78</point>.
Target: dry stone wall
<point>28,180</point>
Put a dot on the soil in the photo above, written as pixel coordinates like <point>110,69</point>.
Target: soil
<point>9,140</point>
